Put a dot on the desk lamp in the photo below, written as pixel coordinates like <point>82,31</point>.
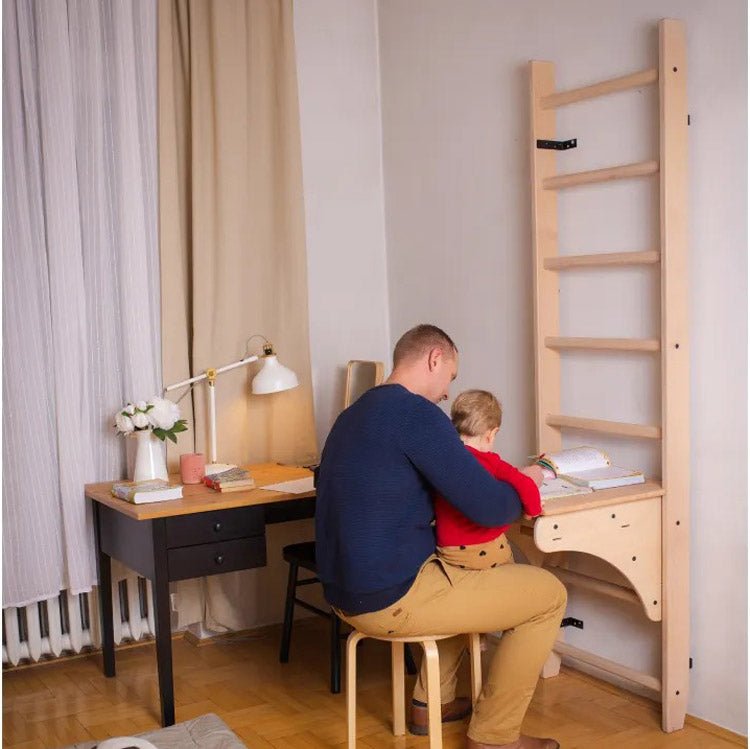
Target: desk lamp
<point>273,377</point>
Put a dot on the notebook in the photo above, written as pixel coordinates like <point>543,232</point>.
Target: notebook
<point>295,486</point>
<point>589,467</point>
<point>140,492</point>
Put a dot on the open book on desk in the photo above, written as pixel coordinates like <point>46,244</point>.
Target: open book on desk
<point>558,487</point>
<point>589,467</point>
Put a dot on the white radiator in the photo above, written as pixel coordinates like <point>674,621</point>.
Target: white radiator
<point>70,623</point>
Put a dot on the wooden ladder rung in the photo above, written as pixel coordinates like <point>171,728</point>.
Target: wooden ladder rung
<point>646,431</point>
<point>587,582</point>
<point>639,169</point>
<point>605,664</point>
<point>563,262</point>
<point>623,83</point>
<point>603,344</point>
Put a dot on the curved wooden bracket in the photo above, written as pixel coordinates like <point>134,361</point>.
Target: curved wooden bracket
<point>627,535</point>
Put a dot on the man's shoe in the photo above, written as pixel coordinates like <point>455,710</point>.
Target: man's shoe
<point>456,710</point>
<point>522,742</point>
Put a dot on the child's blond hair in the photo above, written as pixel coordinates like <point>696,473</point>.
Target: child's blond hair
<point>475,412</point>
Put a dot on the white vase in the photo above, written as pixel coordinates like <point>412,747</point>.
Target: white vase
<point>146,456</point>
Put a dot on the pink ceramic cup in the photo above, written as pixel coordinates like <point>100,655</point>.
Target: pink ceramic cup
<point>192,468</point>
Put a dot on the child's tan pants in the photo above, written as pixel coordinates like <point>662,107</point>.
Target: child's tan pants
<point>478,556</point>
<point>526,602</point>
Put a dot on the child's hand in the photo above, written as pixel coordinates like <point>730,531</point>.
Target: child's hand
<point>535,473</point>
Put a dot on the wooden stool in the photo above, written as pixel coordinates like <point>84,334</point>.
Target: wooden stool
<point>429,646</point>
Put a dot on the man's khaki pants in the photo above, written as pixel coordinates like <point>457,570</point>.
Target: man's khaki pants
<point>526,602</point>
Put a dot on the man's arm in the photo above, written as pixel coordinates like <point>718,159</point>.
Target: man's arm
<point>434,448</point>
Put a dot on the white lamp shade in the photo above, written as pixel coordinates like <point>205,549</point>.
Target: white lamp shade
<point>273,377</point>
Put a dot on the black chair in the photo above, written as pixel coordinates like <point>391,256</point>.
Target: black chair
<point>303,555</point>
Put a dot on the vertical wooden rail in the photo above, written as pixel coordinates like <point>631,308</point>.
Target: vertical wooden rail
<point>675,359</point>
<point>544,237</point>
<point>546,290</point>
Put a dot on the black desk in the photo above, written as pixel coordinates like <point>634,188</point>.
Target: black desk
<point>204,533</point>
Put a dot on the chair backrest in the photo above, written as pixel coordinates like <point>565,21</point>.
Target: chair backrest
<point>360,377</point>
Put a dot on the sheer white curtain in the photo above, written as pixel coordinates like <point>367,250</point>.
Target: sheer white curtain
<point>80,271</point>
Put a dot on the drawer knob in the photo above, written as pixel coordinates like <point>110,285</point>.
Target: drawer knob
<point>219,559</point>
<point>217,527</point>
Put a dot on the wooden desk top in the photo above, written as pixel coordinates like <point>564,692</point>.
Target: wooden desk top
<point>199,498</point>
<point>603,498</point>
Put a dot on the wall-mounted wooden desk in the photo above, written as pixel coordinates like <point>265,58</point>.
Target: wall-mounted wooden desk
<point>204,533</point>
<point>621,526</point>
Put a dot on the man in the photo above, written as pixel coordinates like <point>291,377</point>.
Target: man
<point>383,460</point>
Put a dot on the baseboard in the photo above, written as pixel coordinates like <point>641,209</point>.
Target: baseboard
<point>255,633</point>
<point>722,733</point>
<point>147,640</point>
<point>616,685</point>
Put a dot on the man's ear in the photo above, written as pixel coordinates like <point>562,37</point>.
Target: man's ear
<point>433,357</point>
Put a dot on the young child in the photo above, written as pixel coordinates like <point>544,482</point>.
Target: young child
<point>477,415</point>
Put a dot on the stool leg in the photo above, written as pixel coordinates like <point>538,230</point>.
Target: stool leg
<point>434,710</point>
<point>335,653</point>
<point>286,632</point>
<point>411,667</point>
<point>397,677</point>
<point>475,653</point>
<point>351,688</point>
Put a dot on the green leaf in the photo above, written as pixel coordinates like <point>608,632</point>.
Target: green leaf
<point>160,433</point>
<point>172,437</point>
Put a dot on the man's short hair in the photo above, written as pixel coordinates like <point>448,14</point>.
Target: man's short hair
<point>475,412</point>
<point>419,340</point>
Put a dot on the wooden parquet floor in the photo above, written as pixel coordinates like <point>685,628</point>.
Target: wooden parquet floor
<point>274,706</point>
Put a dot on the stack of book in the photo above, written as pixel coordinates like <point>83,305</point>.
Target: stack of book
<point>232,480</point>
<point>140,492</point>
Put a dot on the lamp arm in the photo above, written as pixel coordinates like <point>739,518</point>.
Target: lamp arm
<point>240,363</point>
<point>192,380</point>
<point>204,375</point>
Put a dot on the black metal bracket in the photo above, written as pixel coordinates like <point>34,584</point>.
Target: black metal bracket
<point>569,621</point>
<point>557,145</point>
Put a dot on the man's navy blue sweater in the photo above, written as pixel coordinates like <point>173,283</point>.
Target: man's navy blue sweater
<point>383,459</point>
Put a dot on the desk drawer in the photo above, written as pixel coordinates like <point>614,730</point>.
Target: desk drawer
<point>214,559</point>
<point>219,525</point>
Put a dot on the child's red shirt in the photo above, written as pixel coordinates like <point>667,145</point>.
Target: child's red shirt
<point>454,529</point>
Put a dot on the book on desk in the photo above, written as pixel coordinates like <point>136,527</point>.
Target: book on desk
<point>141,492</point>
<point>233,479</point>
<point>587,468</point>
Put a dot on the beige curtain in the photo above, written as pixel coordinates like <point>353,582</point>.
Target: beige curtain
<point>232,240</point>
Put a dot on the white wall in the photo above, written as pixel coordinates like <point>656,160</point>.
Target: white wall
<point>455,145</point>
<point>337,68</point>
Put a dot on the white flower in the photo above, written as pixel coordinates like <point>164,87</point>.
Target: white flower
<point>124,423</point>
<point>140,420</point>
<point>130,409</point>
<point>164,413</point>
<point>141,405</point>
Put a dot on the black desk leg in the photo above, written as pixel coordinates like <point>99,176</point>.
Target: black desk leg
<point>105,597</point>
<point>163,622</point>
<point>335,653</point>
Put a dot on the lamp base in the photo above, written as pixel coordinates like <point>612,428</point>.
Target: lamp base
<point>212,468</point>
